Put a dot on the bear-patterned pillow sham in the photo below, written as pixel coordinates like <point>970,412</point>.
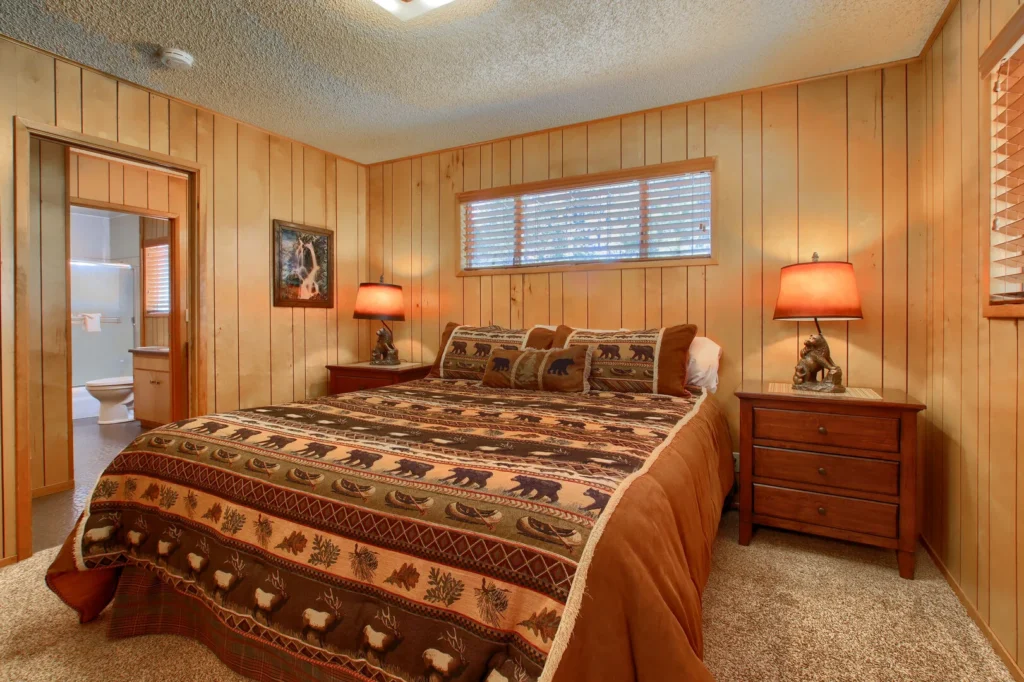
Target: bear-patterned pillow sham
<point>634,361</point>
<point>561,370</point>
<point>465,349</point>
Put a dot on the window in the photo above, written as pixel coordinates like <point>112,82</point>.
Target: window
<point>157,267</point>
<point>660,212</point>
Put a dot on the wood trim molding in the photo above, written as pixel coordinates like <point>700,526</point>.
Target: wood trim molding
<point>121,208</point>
<point>192,366</point>
<point>1000,650</point>
<point>55,488</point>
<point>8,561</point>
<point>1002,43</point>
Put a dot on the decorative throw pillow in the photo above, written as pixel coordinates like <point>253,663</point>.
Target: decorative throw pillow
<point>464,350</point>
<point>635,361</point>
<point>562,370</point>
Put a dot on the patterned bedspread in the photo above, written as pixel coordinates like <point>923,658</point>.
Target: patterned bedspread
<point>426,531</point>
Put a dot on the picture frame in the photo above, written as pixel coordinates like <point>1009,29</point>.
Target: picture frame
<point>302,265</point>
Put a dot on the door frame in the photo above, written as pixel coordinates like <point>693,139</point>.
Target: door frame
<point>193,315</point>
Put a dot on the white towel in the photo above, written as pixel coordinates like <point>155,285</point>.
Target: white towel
<point>91,322</point>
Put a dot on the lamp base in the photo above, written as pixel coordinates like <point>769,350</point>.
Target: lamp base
<point>815,361</point>
<point>384,353</point>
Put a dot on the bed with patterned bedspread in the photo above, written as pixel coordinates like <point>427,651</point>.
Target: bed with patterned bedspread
<point>433,530</point>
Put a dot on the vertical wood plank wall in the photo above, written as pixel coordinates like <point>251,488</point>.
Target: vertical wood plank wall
<point>821,166</point>
<point>258,353</point>
<point>974,515</point>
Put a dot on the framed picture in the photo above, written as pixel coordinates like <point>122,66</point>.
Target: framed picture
<point>302,266</point>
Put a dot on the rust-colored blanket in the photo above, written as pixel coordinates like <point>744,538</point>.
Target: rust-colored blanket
<point>434,530</point>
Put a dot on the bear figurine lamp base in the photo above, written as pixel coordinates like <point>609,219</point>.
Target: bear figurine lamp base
<point>825,290</point>
<point>380,301</point>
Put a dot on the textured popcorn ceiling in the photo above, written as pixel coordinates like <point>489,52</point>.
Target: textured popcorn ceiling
<point>346,76</point>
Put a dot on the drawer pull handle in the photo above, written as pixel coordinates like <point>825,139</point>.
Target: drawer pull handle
<point>822,430</point>
<point>821,510</point>
<point>821,470</point>
<point>154,381</point>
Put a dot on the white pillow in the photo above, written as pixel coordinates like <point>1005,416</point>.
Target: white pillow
<point>702,369</point>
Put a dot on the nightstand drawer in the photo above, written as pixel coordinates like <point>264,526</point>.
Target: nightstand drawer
<point>349,384</point>
<point>823,428</point>
<point>852,473</point>
<point>846,513</point>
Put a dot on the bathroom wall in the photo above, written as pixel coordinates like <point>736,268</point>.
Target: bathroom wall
<point>99,243</point>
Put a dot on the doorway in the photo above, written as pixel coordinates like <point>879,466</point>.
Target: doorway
<point>99,308</point>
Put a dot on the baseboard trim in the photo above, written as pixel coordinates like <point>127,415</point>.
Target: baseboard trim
<point>51,489</point>
<point>1011,665</point>
<point>7,561</point>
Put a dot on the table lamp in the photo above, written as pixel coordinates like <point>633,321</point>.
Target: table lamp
<point>380,301</point>
<point>819,290</point>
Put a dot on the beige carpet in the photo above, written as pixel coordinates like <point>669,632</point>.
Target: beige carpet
<point>787,607</point>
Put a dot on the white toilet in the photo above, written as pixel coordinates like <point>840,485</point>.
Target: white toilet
<point>116,396</point>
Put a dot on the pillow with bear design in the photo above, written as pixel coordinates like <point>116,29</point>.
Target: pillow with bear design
<point>464,349</point>
<point>634,361</point>
<point>560,370</point>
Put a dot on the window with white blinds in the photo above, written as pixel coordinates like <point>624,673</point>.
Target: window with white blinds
<point>610,220</point>
<point>157,268</point>
<point>1006,272</point>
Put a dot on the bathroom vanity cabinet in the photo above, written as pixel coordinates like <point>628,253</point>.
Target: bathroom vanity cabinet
<point>152,372</point>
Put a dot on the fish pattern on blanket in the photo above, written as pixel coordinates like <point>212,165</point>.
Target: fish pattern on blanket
<point>421,531</point>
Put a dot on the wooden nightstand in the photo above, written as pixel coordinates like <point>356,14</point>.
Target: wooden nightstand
<point>362,375</point>
<point>844,468</point>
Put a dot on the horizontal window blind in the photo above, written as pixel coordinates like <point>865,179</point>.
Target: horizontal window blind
<point>649,218</point>
<point>1006,269</point>
<point>157,266</point>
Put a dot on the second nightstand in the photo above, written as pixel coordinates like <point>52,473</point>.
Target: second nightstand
<point>362,375</point>
<point>845,468</point>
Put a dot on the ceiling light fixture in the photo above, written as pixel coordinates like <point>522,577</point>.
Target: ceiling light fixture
<point>410,9</point>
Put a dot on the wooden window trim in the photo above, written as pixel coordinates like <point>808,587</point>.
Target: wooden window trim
<point>706,163</point>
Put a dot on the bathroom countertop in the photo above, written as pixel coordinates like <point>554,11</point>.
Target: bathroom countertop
<point>150,350</point>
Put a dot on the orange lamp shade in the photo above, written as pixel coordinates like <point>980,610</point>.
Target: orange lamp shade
<point>826,290</point>
<point>378,301</point>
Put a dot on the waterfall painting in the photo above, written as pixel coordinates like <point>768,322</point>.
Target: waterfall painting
<point>303,268</point>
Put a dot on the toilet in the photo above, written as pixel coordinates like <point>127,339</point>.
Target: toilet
<point>116,396</point>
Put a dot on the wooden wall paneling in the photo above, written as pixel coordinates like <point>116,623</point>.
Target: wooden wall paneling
<point>387,222</point>
<point>823,187</point>
<point>604,299</point>
<point>254,302</point>
<point>485,180</point>
<point>132,115</point>
<point>486,166</point>
<point>935,464</point>
<point>99,105</point>
<point>225,255</point>
<point>501,300</point>
<point>159,124</point>
<point>73,175</point>
<point>653,298</point>
<point>984,174</point>
<point>362,218</point>
<point>156,191</point>
<point>486,301</point>
<point>969,315</point>
<point>33,335</point>
<point>501,163</point>
<point>430,258</point>
<point>724,319</point>
<point>952,295</point>
<point>574,151</point>
<point>402,248</point>
<point>536,299</point>
<point>575,298</point>
<point>181,122</point>
<point>415,298</point>
<point>282,387</point>
<point>315,213</point>
<point>555,310</point>
<point>69,95</point>
<point>298,314</point>
<point>633,141</point>
<point>515,300</point>
<point>375,238</point>
<point>94,178</point>
<point>535,157</point>
<point>554,154</point>
<point>205,156</point>
<point>350,259</point>
<point>331,210</point>
<point>780,202</point>
<point>178,202</point>
<point>752,238</point>
<point>895,211</point>
<point>36,87</point>
<point>516,160</point>
<point>448,228</point>
<point>673,134</point>
<point>54,315</point>
<point>8,109</point>
<point>696,276</point>
<point>864,216</point>
<point>1001,12</point>
<point>604,145</point>
<point>471,305</point>
<point>136,186</point>
<point>634,298</point>
<point>115,172</point>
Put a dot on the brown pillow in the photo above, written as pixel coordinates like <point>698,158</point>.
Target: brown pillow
<point>635,361</point>
<point>562,370</point>
<point>464,350</point>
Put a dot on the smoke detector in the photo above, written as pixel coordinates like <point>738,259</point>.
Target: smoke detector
<point>176,58</point>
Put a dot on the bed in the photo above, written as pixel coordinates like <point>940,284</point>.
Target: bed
<point>427,531</point>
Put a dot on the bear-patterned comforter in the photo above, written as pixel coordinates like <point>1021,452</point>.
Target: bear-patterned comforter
<point>434,530</point>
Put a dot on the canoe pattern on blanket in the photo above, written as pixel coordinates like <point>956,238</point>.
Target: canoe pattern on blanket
<point>424,531</point>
